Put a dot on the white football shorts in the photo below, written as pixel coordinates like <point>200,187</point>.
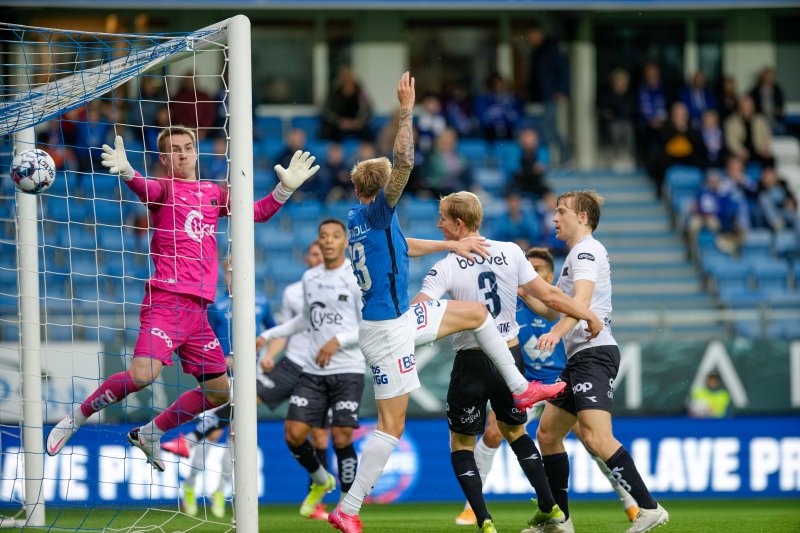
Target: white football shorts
<point>388,347</point>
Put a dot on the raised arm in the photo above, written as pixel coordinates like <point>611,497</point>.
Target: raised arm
<point>403,159</point>
<point>116,161</point>
<point>465,248</point>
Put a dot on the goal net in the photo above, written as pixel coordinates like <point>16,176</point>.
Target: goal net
<point>76,258</point>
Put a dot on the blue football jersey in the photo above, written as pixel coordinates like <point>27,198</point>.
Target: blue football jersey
<point>539,365</point>
<point>219,317</point>
<point>379,255</point>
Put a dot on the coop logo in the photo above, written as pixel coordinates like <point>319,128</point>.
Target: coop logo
<point>211,345</point>
<point>421,314</point>
<point>299,401</point>
<point>401,472</point>
<point>103,400</point>
<point>161,335</point>
<point>320,316</point>
<point>379,377</point>
<point>195,228</point>
<point>345,406</point>
<point>582,387</point>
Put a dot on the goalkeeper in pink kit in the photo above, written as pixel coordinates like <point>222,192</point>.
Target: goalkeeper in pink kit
<point>184,213</point>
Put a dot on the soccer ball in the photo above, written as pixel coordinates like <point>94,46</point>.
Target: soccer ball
<point>33,171</point>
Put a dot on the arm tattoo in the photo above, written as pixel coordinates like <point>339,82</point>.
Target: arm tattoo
<point>403,158</point>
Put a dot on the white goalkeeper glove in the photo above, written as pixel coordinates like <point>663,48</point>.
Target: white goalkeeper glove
<point>292,178</point>
<point>115,159</point>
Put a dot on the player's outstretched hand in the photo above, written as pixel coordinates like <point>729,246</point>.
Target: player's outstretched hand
<point>299,171</point>
<point>548,341</point>
<point>594,329</point>
<point>405,91</point>
<point>472,246</point>
<point>115,159</point>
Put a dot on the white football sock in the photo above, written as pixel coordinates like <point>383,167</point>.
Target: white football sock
<point>227,468</point>
<point>497,350</point>
<point>484,457</point>
<point>319,476</point>
<point>373,459</point>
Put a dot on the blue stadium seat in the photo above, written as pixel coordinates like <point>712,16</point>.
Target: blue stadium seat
<point>9,303</point>
<point>309,124</point>
<point>270,149</point>
<point>475,150</point>
<point>107,212</point>
<point>52,259</point>
<point>318,148</point>
<point>757,243</point>
<point>492,180</point>
<point>109,238</point>
<point>268,127</point>
<point>339,209</point>
<point>378,122</point>
<point>508,154</point>
<point>739,298</point>
<point>9,331</point>
<point>786,243</point>
<point>58,333</point>
<point>680,177</point>
<point>83,262</point>
<point>80,236</point>
<point>796,275</point>
<point>772,275</point>
<point>423,210</point>
<point>272,241</point>
<point>731,276</point>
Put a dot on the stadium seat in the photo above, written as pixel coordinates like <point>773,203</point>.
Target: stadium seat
<point>492,180</point>
<point>57,333</point>
<point>109,238</point>
<point>309,124</point>
<point>739,298</point>
<point>107,212</point>
<point>786,244</point>
<point>378,122</point>
<point>731,276</point>
<point>268,127</point>
<point>771,275</point>
<point>80,236</point>
<point>272,241</point>
<point>53,260</point>
<point>269,148</point>
<point>680,177</point>
<point>318,148</point>
<point>757,243</point>
<point>475,150</point>
<point>508,155</point>
<point>83,262</point>
<point>9,303</point>
<point>308,210</point>
<point>786,150</point>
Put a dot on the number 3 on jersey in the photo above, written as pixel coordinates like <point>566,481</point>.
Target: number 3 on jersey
<point>487,280</point>
<point>359,260</point>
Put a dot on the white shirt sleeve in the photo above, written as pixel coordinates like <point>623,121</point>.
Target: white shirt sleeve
<point>285,312</point>
<point>436,281</point>
<point>525,271</point>
<point>349,337</point>
<point>586,265</point>
<point>287,329</point>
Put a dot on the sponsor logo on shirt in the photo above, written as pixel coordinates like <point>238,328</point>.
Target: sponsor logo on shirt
<point>421,314</point>
<point>162,335</point>
<point>299,401</point>
<point>471,415</point>
<point>585,255</point>
<point>492,260</point>
<point>358,231</point>
<point>211,345</point>
<point>432,272</point>
<point>195,228</point>
<point>345,405</point>
<point>320,316</point>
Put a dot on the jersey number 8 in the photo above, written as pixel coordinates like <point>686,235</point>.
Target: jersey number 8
<point>359,260</point>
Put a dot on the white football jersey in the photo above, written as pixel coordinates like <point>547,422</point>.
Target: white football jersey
<point>292,305</point>
<point>332,305</point>
<point>588,260</point>
<point>493,281</point>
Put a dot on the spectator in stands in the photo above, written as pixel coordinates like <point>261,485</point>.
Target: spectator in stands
<point>215,167</point>
<point>347,110</point>
<point>681,144</point>
<point>333,179</point>
<point>768,98</point>
<point>192,107</point>
<point>457,109</point>
<point>713,139</point>
<point>778,203</point>
<point>546,211</point>
<point>386,139</point>
<point>529,179</point>
<point>295,140</point>
<point>717,209</point>
<point>652,113</point>
<point>617,116</point>
<point>498,110</point>
<point>710,400</point>
<point>446,170</point>
<point>149,99</point>
<point>697,98</point>
<point>93,130</point>
<point>50,136</point>
<point>548,83</point>
<point>431,122</point>
<point>747,190</point>
<point>517,226</point>
<point>728,98</point>
<point>748,135</point>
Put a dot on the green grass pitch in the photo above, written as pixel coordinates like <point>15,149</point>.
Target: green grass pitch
<point>686,516</point>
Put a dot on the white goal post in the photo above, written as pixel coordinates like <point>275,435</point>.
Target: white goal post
<point>26,105</point>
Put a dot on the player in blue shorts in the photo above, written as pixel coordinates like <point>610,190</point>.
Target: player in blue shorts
<point>390,328</point>
<point>542,366</point>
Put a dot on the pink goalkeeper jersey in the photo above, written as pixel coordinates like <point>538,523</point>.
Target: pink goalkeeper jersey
<point>184,217</point>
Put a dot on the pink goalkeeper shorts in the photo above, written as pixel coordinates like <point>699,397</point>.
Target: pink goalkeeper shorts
<point>174,322</point>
